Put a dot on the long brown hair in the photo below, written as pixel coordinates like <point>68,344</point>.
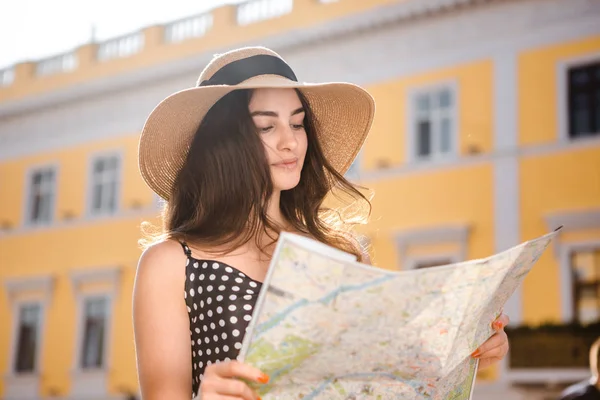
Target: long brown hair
<point>219,198</point>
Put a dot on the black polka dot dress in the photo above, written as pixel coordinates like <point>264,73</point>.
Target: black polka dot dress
<point>220,300</point>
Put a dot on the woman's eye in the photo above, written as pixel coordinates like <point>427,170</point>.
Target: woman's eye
<point>300,126</point>
<point>265,129</point>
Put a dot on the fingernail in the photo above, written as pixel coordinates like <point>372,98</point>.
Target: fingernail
<point>475,354</point>
<point>263,378</point>
<point>497,325</point>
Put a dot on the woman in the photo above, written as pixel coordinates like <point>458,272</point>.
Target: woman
<point>248,153</point>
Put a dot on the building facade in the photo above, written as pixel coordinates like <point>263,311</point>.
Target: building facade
<point>487,134</point>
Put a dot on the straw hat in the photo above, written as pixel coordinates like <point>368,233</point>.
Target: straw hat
<point>343,113</point>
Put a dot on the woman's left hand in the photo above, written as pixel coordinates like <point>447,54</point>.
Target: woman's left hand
<point>496,347</point>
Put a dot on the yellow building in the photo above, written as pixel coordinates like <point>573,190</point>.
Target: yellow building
<point>487,134</point>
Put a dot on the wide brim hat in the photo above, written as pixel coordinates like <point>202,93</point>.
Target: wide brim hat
<point>343,113</point>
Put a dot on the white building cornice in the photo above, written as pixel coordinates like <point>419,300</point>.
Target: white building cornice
<point>403,11</point>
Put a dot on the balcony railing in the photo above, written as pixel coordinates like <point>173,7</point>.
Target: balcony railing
<point>7,76</point>
<point>259,10</point>
<point>188,28</point>
<point>556,346</point>
<point>246,13</point>
<point>57,64</point>
<point>121,47</point>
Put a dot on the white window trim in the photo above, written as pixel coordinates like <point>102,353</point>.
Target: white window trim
<point>26,384</point>
<point>562,84</point>
<point>571,221</point>
<point>26,215</point>
<point>93,381</point>
<point>412,94</point>
<point>441,258</point>
<point>89,195</point>
<point>436,235</point>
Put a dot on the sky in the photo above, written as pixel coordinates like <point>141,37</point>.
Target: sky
<point>34,29</point>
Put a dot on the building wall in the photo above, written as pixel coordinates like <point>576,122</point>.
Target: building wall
<point>513,177</point>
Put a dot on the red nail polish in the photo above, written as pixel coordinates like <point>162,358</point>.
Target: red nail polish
<point>264,378</point>
<point>475,354</point>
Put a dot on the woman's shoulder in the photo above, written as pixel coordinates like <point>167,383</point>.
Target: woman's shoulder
<point>164,259</point>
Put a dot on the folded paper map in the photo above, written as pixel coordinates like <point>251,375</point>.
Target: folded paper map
<point>328,327</point>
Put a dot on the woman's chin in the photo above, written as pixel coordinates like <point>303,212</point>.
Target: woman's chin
<point>286,184</point>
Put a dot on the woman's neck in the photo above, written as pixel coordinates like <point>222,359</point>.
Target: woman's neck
<point>274,209</point>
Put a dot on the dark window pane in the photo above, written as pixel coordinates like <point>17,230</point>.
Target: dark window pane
<point>98,166</point>
<point>445,99</point>
<point>41,196</point>
<point>37,178</point>
<point>584,100</point>
<point>445,135</point>
<point>112,195</point>
<point>36,207</point>
<point>93,339</point>
<point>580,77</point>
<point>423,103</point>
<point>423,138</point>
<point>27,338</point>
<point>581,115</point>
<point>97,196</point>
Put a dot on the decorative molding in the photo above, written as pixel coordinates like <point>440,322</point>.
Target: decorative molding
<point>412,262</point>
<point>435,235</point>
<point>144,212</point>
<point>479,159</point>
<point>22,386</point>
<point>573,220</point>
<point>109,275</point>
<point>42,283</point>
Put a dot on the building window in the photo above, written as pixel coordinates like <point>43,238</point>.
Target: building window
<point>585,268</point>
<point>584,100</point>
<point>42,188</point>
<point>27,338</point>
<point>105,184</point>
<point>94,328</point>
<point>434,123</point>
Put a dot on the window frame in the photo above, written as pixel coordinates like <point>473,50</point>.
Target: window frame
<point>83,304</point>
<point>414,94</point>
<point>90,194</point>
<point>19,306</point>
<point>570,106</point>
<point>93,283</point>
<point>24,291</point>
<point>562,101</point>
<point>27,211</point>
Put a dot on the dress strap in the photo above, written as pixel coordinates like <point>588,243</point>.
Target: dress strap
<point>186,249</point>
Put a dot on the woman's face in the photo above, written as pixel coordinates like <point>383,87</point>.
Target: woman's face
<point>279,117</point>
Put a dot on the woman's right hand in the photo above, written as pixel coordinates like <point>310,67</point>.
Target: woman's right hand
<point>221,381</point>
